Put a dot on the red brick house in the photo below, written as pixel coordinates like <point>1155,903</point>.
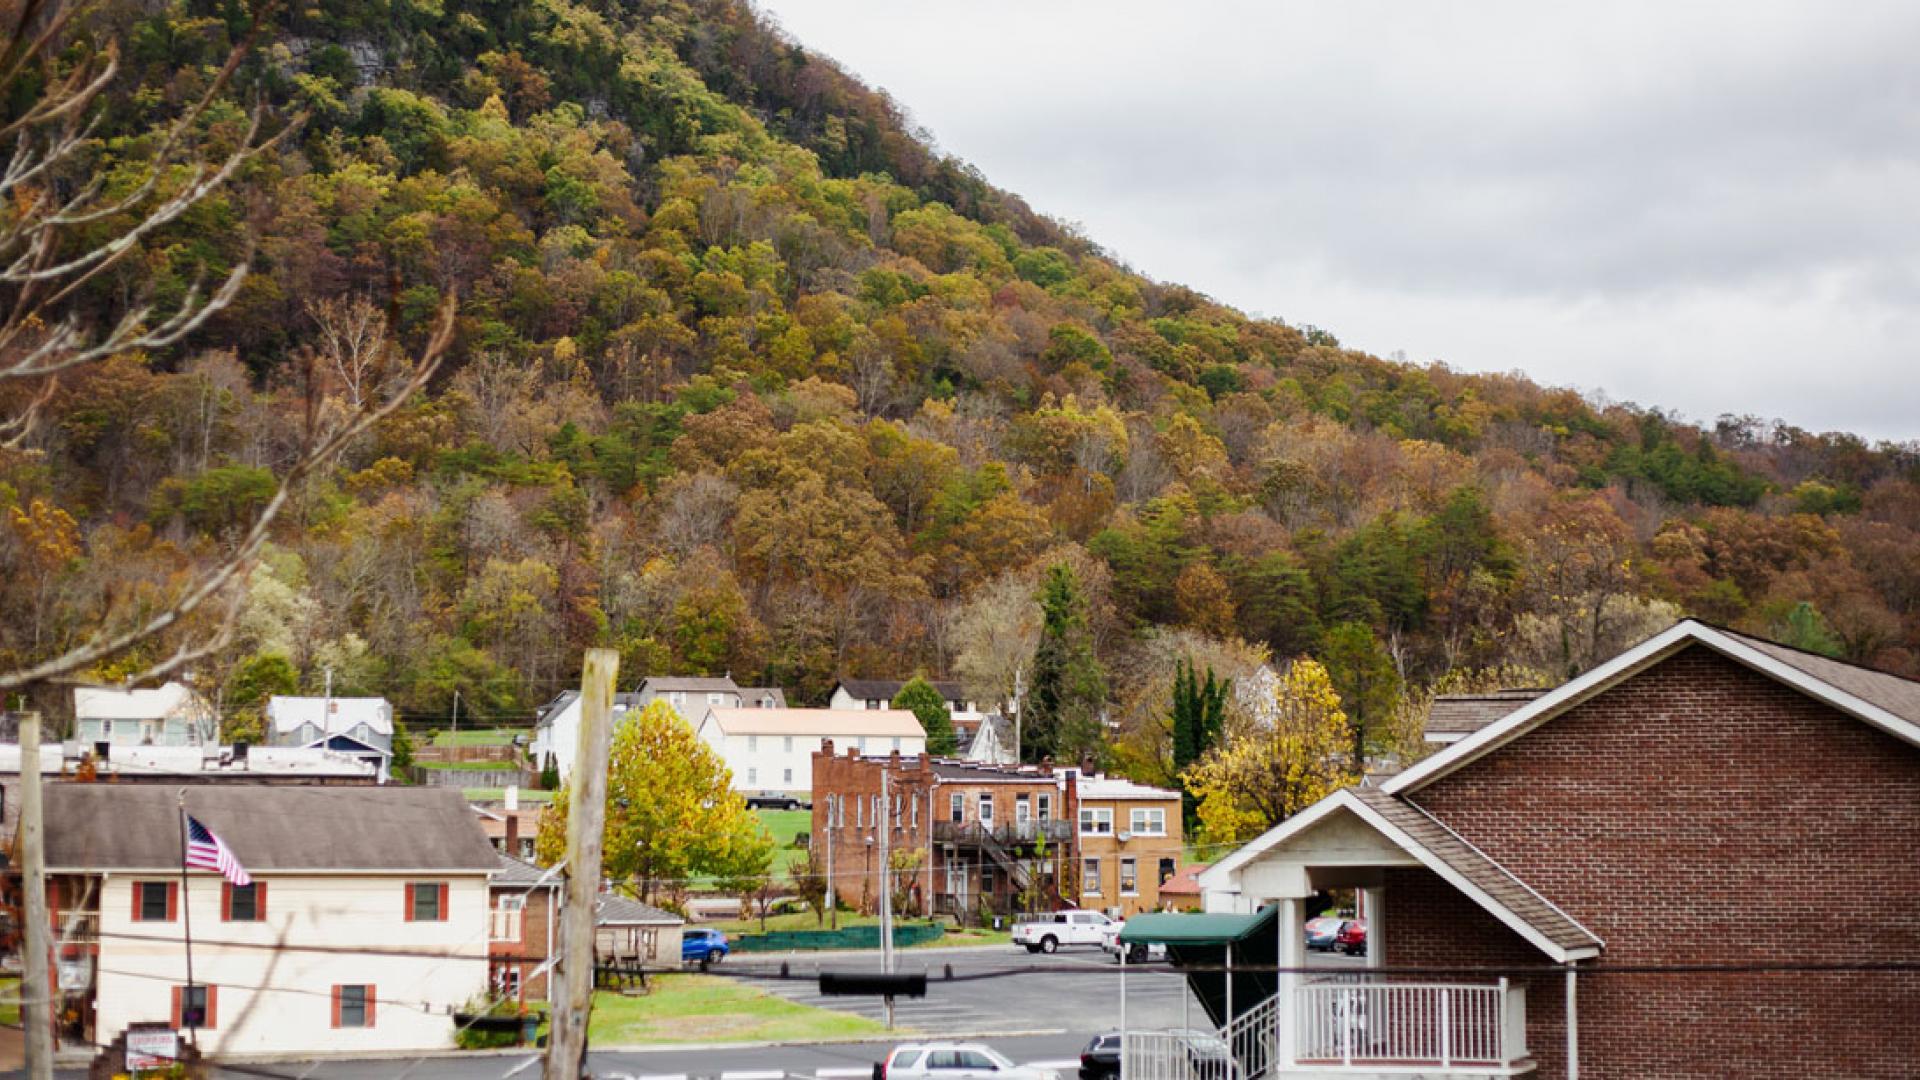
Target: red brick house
<point>523,910</point>
<point>1701,859</point>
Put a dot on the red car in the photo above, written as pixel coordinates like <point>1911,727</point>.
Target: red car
<point>1352,938</point>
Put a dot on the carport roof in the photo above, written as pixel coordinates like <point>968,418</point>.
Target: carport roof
<point>1213,928</point>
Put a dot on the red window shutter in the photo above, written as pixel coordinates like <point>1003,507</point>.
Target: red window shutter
<point>336,1004</point>
<point>226,901</point>
<point>443,901</point>
<point>173,901</point>
<point>371,997</point>
<point>260,901</point>
<point>212,1019</point>
<point>139,887</point>
<point>177,1018</point>
<point>409,894</point>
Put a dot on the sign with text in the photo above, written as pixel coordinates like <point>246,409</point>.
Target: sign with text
<point>151,1046</point>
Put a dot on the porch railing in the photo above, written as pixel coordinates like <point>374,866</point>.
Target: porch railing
<point>1368,1024</point>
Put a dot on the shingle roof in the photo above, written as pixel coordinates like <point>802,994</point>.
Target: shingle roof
<point>331,715</point>
<point>516,874</point>
<point>689,684</point>
<point>831,723</point>
<point>948,769</point>
<point>885,689</point>
<point>1488,876</point>
<point>612,909</point>
<point>270,827</point>
<point>1464,714</point>
<point>764,697</point>
<point>1899,696</point>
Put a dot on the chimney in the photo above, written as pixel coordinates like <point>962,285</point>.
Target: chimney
<point>513,797</point>
<point>513,833</point>
<point>1046,766</point>
<point>826,747</point>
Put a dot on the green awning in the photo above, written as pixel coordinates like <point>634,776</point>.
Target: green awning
<point>1207,941</point>
<point>1168,928</point>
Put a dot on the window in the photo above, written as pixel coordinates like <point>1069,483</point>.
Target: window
<point>1046,807</point>
<point>353,1006</point>
<point>1129,878</point>
<point>196,1006</point>
<point>986,809</point>
<point>896,742</point>
<point>426,901</point>
<point>1090,877</point>
<point>753,744</point>
<point>1022,809</point>
<point>861,742</point>
<point>753,777</point>
<point>526,847</point>
<point>156,901</point>
<point>715,699</point>
<point>243,903</point>
<point>957,808</point>
<point>1096,820</point>
<point>915,803</point>
<point>677,698</point>
<point>786,777</point>
<point>1166,870</point>
<point>1147,822</point>
<point>786,743</point>
<point>503,922</point>
<point>859,813</point>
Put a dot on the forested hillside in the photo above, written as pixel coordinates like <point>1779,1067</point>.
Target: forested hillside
<point>748,378</point>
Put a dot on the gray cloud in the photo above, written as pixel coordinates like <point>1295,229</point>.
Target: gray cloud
<point>1707,207</point>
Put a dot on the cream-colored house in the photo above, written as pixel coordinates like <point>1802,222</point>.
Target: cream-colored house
<point>772,749</point>
<point>365,925</point>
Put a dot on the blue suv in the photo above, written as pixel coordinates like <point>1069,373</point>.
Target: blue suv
<point>703,947</point>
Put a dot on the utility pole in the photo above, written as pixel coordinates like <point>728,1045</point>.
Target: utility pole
<point>586,833</point>
<point>456,712</point>
<point>886,889</point>
<point>36,987</point>
<point>1019,695</point>
<point>833,884</point>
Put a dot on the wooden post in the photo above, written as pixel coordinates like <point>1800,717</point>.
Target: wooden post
<point>586,833</point>
<point>36,985</point>
<point>886,889</point>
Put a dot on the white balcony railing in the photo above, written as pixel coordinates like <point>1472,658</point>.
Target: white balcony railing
<point>1428,1024</point>
<point>503,924</point>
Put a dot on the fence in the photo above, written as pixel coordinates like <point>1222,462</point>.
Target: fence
<point>470,778</point>
<point>1410,1023</point>
<point>506,755</point>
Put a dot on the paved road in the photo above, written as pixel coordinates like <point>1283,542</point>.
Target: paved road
<point>1056,1003</point>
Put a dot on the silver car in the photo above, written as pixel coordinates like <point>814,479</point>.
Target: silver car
<point>951,1060</point>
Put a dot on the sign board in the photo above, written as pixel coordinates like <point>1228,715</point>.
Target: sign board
<point>151,1046</point>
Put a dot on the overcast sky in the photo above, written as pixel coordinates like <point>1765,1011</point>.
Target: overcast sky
<point>1709,208</point>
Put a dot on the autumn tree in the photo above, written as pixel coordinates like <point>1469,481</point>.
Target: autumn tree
<point>919,697</point>
<point>672,813</point>
<point>1366,680</point>
<point>1066,704</point>
<point>1290,751</point>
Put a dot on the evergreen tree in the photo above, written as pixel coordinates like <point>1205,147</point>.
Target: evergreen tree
<point>919,697</point>
<point>1069,694</point>
<point>1199,717</point>
<point>1366,680</point>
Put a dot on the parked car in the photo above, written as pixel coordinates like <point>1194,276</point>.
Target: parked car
<point>1047,932</point>
<point>1138,952</point>
<point>1208,1055</point>
<point>698,946</point>
<point>1353,938</point>
<point>776,800</point>
<point>944,1060</point>
<point>1324,933</point>
<point>1101,1059</point>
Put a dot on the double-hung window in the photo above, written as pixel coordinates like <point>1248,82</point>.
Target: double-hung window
<point>156,901</point>
<point>1090,877</point>
<point>1096,820</point>
<point>426,901</point>
<point>1129,877</point>
<point>243,903</point>
<point>957,808</point>
<point>1147,821</point>
<point>353,1005</point>
<point>196,1007</point>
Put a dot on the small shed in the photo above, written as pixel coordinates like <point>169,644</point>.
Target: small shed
<point>628,931</point>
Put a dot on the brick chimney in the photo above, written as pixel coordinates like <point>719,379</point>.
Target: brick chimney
<point>513,833</point>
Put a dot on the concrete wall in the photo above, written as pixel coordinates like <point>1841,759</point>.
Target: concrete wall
<point>274,998</point>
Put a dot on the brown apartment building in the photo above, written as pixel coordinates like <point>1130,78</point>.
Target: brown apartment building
<point>993,839</point>
<point>1128,844</point>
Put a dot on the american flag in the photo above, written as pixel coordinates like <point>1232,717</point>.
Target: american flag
<point>206,851</point>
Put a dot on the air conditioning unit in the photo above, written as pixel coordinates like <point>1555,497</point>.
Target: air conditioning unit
<point>1123,837</point>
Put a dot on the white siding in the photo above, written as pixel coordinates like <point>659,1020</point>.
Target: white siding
<point>293,1014</point>
<point>769,759</point>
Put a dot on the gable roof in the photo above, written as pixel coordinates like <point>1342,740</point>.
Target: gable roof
<point>516,874</point>
<point>154,703</point>
<point>270,827</point>
<point>688,684</point>
<point>612,909</point>
<point>885,689</point>
<point>330,714</point>
<point>1441,850</point>
<point>1888,702</point>
<point>1457,715</point>
<point>763,697</point>
<point>831,723</point>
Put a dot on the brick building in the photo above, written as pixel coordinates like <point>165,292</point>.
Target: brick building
<point>523,911</point>
<point>990,838</point>
<point>1128,844</point>
<point>1706,800</point>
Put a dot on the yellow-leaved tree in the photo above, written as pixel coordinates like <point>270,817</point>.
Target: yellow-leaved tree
<point>1290,747</point>
<point>672,813</point>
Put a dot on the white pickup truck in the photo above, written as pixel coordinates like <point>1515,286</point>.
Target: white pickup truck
<point>1045,933</point>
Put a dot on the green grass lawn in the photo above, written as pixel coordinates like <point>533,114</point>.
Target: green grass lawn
<point>713,1008</point>
<point>783,826</point>
<point>494,794</point>
<point>473,738</point>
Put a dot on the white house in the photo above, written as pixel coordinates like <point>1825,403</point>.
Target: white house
<point>556,732</point>
<point>358,727</point>
<point>772,749</point>
<point>365,926</point>
<point>170,715</point>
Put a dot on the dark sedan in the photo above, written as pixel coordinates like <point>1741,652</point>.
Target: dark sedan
<point>1101,1059</point>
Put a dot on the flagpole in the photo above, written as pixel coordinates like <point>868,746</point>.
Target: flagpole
<point>187,1013</point>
